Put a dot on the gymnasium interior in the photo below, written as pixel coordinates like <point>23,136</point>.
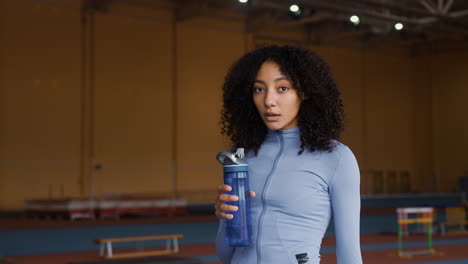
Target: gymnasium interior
<point>110,111</point>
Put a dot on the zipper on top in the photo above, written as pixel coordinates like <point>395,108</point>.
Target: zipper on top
<point>265,187</point>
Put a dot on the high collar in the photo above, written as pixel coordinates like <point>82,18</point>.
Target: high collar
<point>294,130</point>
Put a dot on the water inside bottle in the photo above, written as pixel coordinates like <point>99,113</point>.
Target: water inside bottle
<point>238,228</point>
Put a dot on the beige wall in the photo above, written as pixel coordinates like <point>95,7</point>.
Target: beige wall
<point>147,92</point>
<point>377,92</point>
<point>202,62</point>
<point>422,121</point>
<point>133,104</point>
<point>450,116</point>
<point>39,102</point>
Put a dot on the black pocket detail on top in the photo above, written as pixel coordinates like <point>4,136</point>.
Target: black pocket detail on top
<point>302,258</point>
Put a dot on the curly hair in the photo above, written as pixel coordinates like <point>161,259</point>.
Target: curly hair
<point>321,115</point>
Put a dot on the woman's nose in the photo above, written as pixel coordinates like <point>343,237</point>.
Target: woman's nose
<point>270,99</point>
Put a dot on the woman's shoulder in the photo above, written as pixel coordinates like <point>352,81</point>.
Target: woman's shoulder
<point>340,149</point>
<point>339,153</point>
<point>345,156</point>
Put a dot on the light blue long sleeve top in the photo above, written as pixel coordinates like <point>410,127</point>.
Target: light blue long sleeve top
<point>296,197</point>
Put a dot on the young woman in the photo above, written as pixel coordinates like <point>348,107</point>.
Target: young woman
<point>281,104</point>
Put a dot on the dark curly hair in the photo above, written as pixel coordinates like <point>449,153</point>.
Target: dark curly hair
<point>321,114</point>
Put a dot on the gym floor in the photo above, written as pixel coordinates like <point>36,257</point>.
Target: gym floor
<point>52,241</point>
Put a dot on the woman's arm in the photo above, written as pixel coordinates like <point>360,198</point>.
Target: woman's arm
<point>222,210</point>
<point>224,251</point>
<point>346,205</point>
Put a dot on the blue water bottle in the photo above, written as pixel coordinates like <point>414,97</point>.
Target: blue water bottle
<point>239,228</point>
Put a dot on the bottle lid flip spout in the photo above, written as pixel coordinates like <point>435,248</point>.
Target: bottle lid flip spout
<point>228,158</point>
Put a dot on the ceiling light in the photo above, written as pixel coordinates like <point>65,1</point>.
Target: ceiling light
<point>355,20</point>
<point>295,9</point>
<point>243,1</point>
<point>398,26</point>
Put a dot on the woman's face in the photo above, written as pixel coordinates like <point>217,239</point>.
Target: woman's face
<point>275,97</point>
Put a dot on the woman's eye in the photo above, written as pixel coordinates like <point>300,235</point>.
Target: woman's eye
<point>283,89</point>
<point>258,90</point>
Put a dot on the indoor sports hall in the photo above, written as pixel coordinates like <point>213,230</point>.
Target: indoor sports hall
<point>110,123</point>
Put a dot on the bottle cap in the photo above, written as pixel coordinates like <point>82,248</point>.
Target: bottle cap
<point>228,158</point>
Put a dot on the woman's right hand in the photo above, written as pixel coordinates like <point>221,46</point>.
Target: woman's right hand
<point>220,207</point>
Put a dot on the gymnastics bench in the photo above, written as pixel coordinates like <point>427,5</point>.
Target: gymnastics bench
<point>106,246</point>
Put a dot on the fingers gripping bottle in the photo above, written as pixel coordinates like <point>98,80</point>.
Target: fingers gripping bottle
<point>239,228</point>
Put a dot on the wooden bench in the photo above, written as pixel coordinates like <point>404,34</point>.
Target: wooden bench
<point>172,246</point>
<point>455,216</point>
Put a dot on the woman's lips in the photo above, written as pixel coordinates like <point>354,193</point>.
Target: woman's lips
<point>272,117</point>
